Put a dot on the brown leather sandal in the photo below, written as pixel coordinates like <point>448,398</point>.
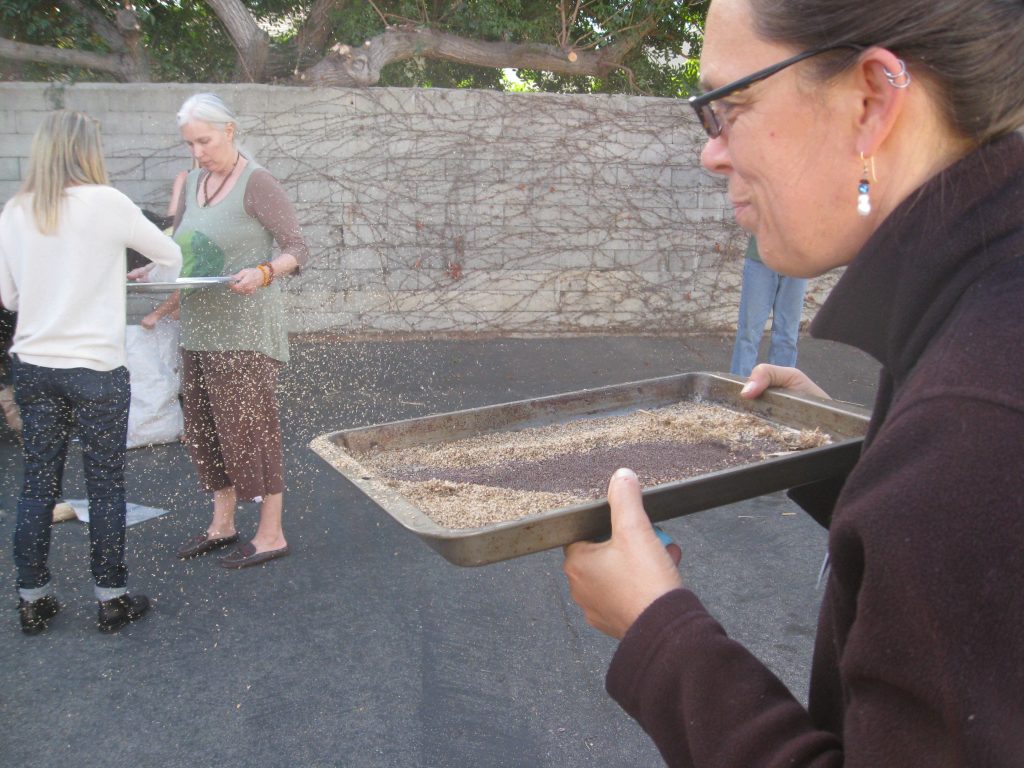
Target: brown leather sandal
<point>201,543</point>
<point>245,555</point>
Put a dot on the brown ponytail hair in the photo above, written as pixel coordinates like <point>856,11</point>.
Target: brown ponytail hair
<point>968,51</point>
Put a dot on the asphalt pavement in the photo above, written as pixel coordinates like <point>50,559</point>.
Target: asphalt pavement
<point>364,647</point>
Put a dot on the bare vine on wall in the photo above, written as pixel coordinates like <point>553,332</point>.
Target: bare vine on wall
<point>442,211</point>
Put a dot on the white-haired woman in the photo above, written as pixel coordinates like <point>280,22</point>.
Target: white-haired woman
<point>63,241</point>
<point>883,137</point>
<point>234,340</point>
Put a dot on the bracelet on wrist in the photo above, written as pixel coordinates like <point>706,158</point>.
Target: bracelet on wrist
<point>265,273</point>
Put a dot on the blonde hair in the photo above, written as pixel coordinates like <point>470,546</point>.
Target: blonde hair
<point>66,151</point>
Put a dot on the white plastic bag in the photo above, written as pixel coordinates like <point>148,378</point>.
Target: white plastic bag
<point>154,362</point>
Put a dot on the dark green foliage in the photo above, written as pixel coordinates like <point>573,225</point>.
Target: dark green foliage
<point>43,22</point>
<point>186,42</point>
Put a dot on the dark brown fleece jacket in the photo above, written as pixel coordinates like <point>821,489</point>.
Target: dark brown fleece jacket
<point>919,658</point>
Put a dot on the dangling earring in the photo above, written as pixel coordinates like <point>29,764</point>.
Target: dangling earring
<point>864,188</point>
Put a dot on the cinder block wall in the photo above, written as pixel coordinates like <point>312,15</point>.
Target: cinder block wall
<point>451,211</point>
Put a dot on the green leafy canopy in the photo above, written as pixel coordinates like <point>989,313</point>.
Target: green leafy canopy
<point>186,42</point>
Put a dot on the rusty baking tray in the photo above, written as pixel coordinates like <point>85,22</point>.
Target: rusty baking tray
<point>845,423</point>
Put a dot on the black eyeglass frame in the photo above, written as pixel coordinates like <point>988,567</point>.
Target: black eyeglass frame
<point>702,103</point>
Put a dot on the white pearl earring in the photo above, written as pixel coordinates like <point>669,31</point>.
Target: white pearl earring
<point>864,188</point>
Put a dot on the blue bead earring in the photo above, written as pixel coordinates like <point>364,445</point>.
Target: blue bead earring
<point>864,187</point>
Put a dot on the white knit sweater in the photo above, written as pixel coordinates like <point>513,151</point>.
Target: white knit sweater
<point>69,288</point>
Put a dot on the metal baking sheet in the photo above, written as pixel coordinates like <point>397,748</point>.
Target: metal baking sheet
<point>181,282</point>
<point>844,423</point>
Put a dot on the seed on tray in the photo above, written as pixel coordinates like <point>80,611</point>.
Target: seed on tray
<point>503,476</point>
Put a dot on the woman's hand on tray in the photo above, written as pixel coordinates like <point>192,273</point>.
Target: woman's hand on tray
<point>764,376</point>
<point>246,281</point>
<point>614,581</point>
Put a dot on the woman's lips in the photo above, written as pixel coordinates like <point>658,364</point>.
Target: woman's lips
<point>739,208</point>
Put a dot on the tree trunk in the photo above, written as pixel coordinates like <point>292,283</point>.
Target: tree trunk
<point>101,25</point>
<point>315,32</point>
<point>130,29</point>
<point>123,37</point>
<point>251,42</point>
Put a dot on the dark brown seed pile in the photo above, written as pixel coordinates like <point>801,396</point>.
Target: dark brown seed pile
<point>586,474</point>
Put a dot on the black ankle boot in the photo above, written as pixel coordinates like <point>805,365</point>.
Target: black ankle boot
<point>122,610</point>
<point>35,613</point>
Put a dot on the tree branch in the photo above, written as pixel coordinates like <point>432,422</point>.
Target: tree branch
<point>123,37</point>
<point>117,64</point>
<point>360,67</point>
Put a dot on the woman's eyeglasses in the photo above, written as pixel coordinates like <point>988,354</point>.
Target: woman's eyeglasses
<point>703,104</point>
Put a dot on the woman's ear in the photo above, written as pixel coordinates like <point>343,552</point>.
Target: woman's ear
<point>880,82</point>
<point>229,131</point>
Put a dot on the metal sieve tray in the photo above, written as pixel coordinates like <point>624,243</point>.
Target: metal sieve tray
<point>181,282</point>
<point>845,423</point>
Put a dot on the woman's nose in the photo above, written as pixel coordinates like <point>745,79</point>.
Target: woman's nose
<point>715,156</point>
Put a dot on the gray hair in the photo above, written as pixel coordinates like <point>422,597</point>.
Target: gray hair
<point>210,108</point>
<point>969,51</point>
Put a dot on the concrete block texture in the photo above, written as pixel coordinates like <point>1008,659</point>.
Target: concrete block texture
<point>439,211</point>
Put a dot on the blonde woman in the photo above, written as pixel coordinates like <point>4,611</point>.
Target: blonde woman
<point>62,269</point>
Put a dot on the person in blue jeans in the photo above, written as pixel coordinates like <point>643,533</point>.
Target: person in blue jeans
<point>765,293</point>
<point>7,404</point>
<point>63,241</point>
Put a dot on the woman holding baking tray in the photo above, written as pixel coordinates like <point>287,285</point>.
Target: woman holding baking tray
<point>884,138</point>
<point>234,338</point>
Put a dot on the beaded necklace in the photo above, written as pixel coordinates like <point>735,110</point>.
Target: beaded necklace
<point>206,182</point>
